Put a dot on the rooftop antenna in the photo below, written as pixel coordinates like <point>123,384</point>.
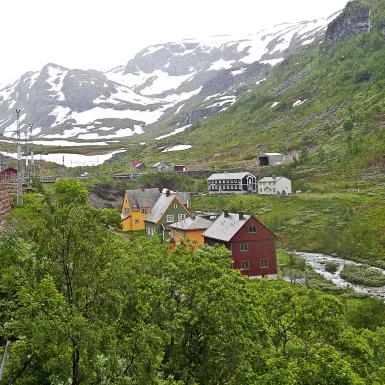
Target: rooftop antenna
<point>19,196</point>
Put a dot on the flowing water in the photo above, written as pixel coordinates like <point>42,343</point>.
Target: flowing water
<point>317,262</point>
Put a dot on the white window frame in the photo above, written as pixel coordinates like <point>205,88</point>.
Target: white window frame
<point>170,218</point>
<point>243,245</point>
<point>264,263</point>
<point>181,217</point>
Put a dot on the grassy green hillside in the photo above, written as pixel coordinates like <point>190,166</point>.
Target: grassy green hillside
<point>338,127</point>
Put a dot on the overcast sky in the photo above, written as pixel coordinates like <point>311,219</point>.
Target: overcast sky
<point>102,34</point>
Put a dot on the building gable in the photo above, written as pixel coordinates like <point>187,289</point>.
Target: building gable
<point>245,233</point>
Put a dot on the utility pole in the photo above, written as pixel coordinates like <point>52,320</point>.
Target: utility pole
<point>27,170</point>
<point>32,150</point>
<point>19,195</point>
<point>41,169</point>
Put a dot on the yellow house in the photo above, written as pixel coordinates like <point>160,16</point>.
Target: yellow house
<point>189,229</point>
<point>137,205</point>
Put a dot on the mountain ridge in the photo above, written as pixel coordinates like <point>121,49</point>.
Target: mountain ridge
<point>160,80</point>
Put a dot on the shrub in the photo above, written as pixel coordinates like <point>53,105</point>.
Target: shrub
<point>363,275</point>
<point>331,267</point>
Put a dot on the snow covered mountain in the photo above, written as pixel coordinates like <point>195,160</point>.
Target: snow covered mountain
<point>160,81</point>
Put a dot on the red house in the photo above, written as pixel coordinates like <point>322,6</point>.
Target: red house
<point>9,173</point>
<point>251,243</point>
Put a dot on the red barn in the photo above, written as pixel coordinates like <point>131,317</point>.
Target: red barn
<point>251,243</point>
<point>9,173</point>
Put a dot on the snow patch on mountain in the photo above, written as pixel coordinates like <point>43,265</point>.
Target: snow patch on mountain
<point>96,113</point>
<point>164,82</point>
<point>55,80</point>
<point>179,147</point>
<point>183,96</point>
<point>221,64</point>
<point>176,131</point>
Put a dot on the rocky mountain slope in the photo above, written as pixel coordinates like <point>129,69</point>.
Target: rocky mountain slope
<point>187,80</point>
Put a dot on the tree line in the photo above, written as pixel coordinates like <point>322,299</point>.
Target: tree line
<point>82,305</point>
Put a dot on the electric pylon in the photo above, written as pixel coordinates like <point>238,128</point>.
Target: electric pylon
<point>19,196</point>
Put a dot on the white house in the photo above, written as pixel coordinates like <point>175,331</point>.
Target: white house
<point>232,183</point>
<point>272,185</point>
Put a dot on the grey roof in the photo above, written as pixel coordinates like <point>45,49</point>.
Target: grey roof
<point>224,228</point>
<point>270,154</point>
<point>159,163</point>
<point>182,196</point>
<point>160,207</point>
<point>229,175</point>
<point>271,179</point>
<point>142,198</point>
<point>197,223</point>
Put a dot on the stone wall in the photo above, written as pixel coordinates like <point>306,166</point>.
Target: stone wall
<point>7,193</point>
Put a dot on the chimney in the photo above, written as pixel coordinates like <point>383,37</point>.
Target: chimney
<point>273,177</point>
<point>167,193</point>
<point>226,213</point>
<point>240,215</point>
<point>142,188</point>
<point>193,216</point>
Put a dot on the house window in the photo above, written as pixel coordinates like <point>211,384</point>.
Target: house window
<point>245,265</point>
<point>137,221</point>
<point>273,189</point>
<point>152,231</point>
<point>175,206</point>
<point>144,210</point>
<point>260,190</point>
<point>181,217</point>
<point>264,263</point>
<point>148,231</point>
<point>244,247</point>
<point>170,218</point>
<point>126,211</point>
<point>252,229</point>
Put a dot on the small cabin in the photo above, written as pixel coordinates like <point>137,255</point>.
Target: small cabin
<point>162,166</point>
<point>179,168</point>
<point>8,174</point>
<point>269,159</point>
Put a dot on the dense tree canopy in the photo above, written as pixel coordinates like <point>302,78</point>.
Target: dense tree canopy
<point>82,305</point>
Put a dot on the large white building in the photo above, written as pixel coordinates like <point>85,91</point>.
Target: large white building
<point>273,185</point>
<point>232,183</point>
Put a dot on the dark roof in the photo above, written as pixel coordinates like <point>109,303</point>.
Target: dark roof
<point>142,198</point>
<point>224,228</point>
<point>197,223</point>
<point>9,169</point>
<point>229,175</point>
